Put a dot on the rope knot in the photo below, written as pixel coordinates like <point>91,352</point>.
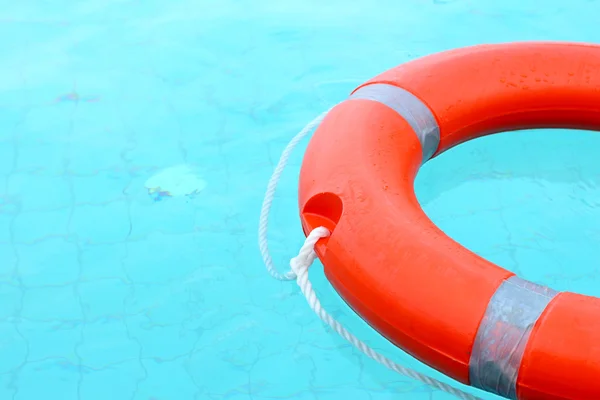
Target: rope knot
<point>306,256</point>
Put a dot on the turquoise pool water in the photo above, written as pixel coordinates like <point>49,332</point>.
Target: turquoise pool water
<point>137,139</point>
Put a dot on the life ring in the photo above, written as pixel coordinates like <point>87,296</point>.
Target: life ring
<point>453,310</point>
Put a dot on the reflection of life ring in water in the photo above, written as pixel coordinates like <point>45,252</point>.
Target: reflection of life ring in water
<point>448,307</point>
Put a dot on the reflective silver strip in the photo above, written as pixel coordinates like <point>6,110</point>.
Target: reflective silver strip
<point>413,110</point>
<point>503,335</point>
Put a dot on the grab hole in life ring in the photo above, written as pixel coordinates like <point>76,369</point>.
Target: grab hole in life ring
<point>323,209</point>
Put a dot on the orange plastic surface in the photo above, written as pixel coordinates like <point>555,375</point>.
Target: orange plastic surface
<point>562,359</point>
<point>415,285</point>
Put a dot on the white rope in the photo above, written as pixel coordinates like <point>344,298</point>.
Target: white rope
<point>306,256</point>
<point>270,195</point>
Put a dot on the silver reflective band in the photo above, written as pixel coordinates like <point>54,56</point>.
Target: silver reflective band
<point>503,334</point>
<point>413,110</point>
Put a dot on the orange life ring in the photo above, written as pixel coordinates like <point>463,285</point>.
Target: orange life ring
<point>462,315</point>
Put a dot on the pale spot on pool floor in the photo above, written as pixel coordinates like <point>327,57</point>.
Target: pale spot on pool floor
<point>180,180</point>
